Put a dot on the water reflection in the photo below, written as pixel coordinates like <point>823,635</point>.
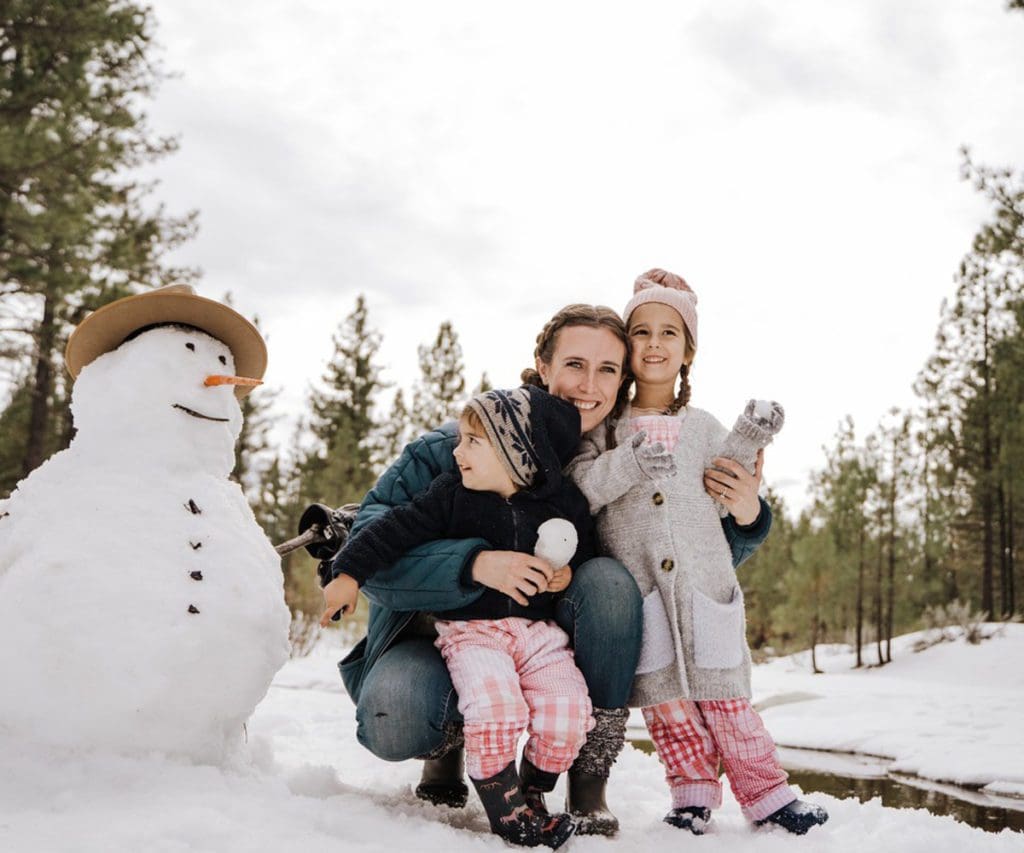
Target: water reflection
<point>895,791</point>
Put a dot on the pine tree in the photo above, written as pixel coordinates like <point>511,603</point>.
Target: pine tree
<point>253,454</point>
<point>483,386</point>
<point>839,512</point>
<point>439,393</point>
<point>393,434</point>
<point>807,584</point>
<point>339,469</point>
<point>894,481</point>
<point>1009,372</point>
<point>939,499</point>
<point>14,436</point>
<point>1004,234</point>
<point>761,576</point>
<point>75,232</point>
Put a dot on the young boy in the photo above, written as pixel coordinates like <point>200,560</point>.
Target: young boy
<point>510,663</point>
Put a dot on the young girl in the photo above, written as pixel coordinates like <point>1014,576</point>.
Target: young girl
<point>645,483</point>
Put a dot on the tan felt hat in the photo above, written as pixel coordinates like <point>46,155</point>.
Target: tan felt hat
<point>105,329</point>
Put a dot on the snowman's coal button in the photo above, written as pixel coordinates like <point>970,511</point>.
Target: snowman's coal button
<point>196,576</point>
<point>195,545</point>
<point>193,507</point>
<point>193,609</point>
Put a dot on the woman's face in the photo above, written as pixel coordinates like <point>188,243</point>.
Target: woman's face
<point>586,370</point>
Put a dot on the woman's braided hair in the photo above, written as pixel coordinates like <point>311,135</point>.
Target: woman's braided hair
<point>594,317</point>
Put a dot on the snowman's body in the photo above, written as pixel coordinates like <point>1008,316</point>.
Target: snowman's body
<point>141,606</point>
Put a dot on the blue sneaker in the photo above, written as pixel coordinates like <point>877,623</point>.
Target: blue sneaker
<point>693,818</point>
<point>797,817</point>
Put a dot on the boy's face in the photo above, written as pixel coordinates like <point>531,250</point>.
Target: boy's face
<point>478,463</point>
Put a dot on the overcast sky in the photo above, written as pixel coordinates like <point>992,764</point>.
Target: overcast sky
<point>796,161</point>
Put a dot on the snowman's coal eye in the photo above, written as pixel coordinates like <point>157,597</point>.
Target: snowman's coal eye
<point>223,359</point>
<point>190,346</point>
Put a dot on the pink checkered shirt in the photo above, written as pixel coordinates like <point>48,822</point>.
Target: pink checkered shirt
<point>663,428</point>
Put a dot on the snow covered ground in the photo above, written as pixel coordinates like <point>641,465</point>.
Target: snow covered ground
<point>951,712</point>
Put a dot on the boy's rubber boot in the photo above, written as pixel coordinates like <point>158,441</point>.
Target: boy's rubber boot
<point>588,776</point>
<point>513,820</point>
<point>536,783</point>
<point>441,782</point>
<point>797,817</point>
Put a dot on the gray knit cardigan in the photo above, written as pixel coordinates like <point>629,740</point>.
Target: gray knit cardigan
<point>668,533</point>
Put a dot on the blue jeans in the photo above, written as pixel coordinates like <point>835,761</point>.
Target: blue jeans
<point>407,700</point>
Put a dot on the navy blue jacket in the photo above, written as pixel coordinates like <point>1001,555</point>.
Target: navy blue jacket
<point>448,510</point>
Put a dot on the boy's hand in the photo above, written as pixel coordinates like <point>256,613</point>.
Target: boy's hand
<point>518,575</point>
<point>340,596</point>
<point>560,579</point>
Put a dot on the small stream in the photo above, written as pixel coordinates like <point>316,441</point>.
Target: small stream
<point>846,776</point>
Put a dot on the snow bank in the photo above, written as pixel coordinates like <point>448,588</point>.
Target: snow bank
<point>951,713</point>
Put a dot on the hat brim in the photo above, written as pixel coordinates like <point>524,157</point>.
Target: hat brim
<point>106,329</point>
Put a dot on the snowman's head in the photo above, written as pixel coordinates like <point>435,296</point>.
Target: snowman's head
<point>150,403</point>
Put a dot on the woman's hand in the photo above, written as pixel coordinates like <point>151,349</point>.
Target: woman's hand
<point>737,490</point>
<point>340,595</point>
<point>560,579</point>
<point>517,575</point>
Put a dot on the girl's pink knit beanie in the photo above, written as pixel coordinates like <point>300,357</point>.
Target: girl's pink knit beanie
<point>669,289</point>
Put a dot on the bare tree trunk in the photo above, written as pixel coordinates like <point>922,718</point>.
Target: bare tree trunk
<point>1011,592</point>
<point>860,594</point>
<point>42,389</point>
<point>1004,583</point>
<point>891,598</point>
<point>815,625</point>
<point>878,593</point>
<point>987,510</point>
<point>929,563</point>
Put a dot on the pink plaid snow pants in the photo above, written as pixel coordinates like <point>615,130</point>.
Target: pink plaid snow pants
<point>513,674</point>
<point>692,738</point>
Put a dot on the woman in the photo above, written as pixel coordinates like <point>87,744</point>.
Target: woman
<point>405,704</point>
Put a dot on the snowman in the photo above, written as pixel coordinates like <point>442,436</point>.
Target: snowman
<point>141,607</point>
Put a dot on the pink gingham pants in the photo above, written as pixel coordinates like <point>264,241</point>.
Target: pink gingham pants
<point>692,738</point>
<point>513,674</point>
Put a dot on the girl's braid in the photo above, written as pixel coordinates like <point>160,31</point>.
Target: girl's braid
<point>683,397</point>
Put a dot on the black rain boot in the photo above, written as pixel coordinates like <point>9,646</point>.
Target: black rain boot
<point>797,817</point>
<point>441,782</point>
<point>536,783</point>
<point>693,818</point>
<point>512,819</point>
<point>588,776</point>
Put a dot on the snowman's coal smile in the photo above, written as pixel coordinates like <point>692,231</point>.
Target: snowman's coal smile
<point>195,414</point>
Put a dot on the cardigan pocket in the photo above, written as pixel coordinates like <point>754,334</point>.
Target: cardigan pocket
<point>718,640</point>
<point>657,649</point>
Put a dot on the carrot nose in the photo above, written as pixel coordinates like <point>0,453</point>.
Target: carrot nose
<point>216,379</point>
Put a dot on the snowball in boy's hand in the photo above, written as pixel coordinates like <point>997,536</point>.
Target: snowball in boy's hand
<point>556,541</point>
